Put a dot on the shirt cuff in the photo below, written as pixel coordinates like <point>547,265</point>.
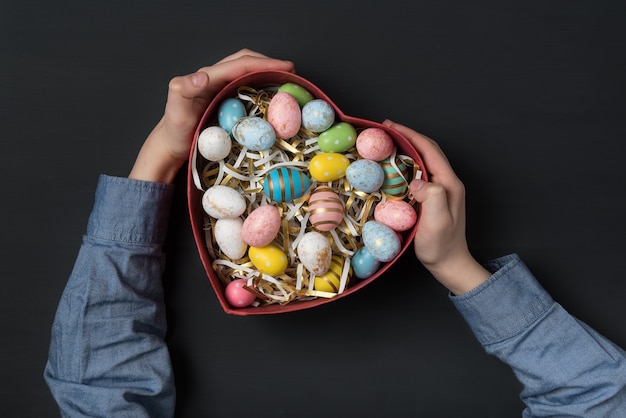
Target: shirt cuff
<point>130,211</point>
<point>506,304</point>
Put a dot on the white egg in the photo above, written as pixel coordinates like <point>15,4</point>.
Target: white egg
<point>228,236</point>
<point>214,143</point>
<point>315,252</point>
<point>223,202</point>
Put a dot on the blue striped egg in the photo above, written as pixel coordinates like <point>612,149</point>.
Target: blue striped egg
<point>395,182</point>
<point>285,184</point>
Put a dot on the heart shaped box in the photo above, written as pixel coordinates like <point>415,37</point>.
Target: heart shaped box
<point>259,79</point>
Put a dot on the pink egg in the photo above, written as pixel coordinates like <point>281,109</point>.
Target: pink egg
<point>374,144</point>
<point>325,209</point>
<point>261,226</point>
<point>284,114</point>
<point>396,214</point>
<point>237,296</point>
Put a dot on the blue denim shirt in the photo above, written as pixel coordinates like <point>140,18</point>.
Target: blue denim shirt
<point>108,356</point>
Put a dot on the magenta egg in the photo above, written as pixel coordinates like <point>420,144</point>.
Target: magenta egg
<point>284,114</point>
<point>325,209</point>
<point>237,296</point>
<point>261,226</point>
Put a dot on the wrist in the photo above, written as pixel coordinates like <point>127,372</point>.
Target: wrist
<point>155,162</point>
<point>460,273</point>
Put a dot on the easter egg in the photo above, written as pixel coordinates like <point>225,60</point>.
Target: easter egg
<point>214,143</point>
<point>341,137</point>
<point>284,114</point>
<point>331,280</point>
<point>261,226</point>
<point>284,184</point>
<point>317,115</point>
<point>302,95</point>
<point>315,252</point>
<point>365,175</point>
<point>328,166</point>
<point>237,296</point>
<point>223,202</point>
<point>363,263</point>
<point>325,209</point>
<point>381,241</point>
<point>374,144</point>
<point>254,132</point>
<point>230,111</point>
<point>269,259</point>
<point>396,214</point>
<point>395,183</point>
<point>228,237</point>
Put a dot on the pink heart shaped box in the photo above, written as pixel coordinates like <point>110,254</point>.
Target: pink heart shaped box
<point>257,80</point>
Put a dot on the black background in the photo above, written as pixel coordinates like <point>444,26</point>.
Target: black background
<point>525,97</point>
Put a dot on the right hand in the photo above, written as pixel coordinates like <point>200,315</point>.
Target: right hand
<point>440,242</point>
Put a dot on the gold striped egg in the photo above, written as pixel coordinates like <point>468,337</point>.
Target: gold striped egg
<point>396,179</point>
<point>331,280</point>
<point>325,209</point>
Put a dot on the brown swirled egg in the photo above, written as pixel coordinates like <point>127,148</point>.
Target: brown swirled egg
<point>325,209</point>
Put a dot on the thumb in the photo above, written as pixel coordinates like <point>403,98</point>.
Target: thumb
<point>432,196</point>
<point>187,99</point>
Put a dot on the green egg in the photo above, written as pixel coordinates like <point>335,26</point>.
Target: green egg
<point>299,93</point>
<point>339,138</point>
<point>395,183</point>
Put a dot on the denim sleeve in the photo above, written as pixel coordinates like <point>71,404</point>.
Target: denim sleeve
<point>107,354</point>
<point>567,369</point>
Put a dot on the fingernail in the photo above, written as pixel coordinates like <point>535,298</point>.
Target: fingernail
<point>197,79</point>
<point>417,184</point>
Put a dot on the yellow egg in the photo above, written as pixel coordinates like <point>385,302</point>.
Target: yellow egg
<point>269,260</point>
<point>330,281</point>
<point>328,166</point>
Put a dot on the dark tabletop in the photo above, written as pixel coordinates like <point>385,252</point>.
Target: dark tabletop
<point>526,99</point>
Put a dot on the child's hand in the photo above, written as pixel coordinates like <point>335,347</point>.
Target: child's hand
<point>440,242</point>
<point>167,147</point>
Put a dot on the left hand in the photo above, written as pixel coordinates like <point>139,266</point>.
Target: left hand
<point>167,147</point>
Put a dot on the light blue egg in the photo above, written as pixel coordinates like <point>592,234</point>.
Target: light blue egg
<point>254,132</point>
<point>317,115</point>
<point>381,241</point>
<point>230,111</point>
<point>364,264</point>
<point>365,175</point>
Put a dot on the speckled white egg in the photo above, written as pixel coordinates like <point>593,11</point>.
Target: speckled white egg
<point>317,115</point>
<point>214,143</point>
<point>228,237</point>
<point>315,252</point>
<point>365,175</point>
<point>381,241</point>
<point>223,202</point>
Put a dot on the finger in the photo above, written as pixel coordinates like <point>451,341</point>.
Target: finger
<point>434,158</point>
<point>432,197</point>
<point>222,73</point>
<point>241,53</point>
